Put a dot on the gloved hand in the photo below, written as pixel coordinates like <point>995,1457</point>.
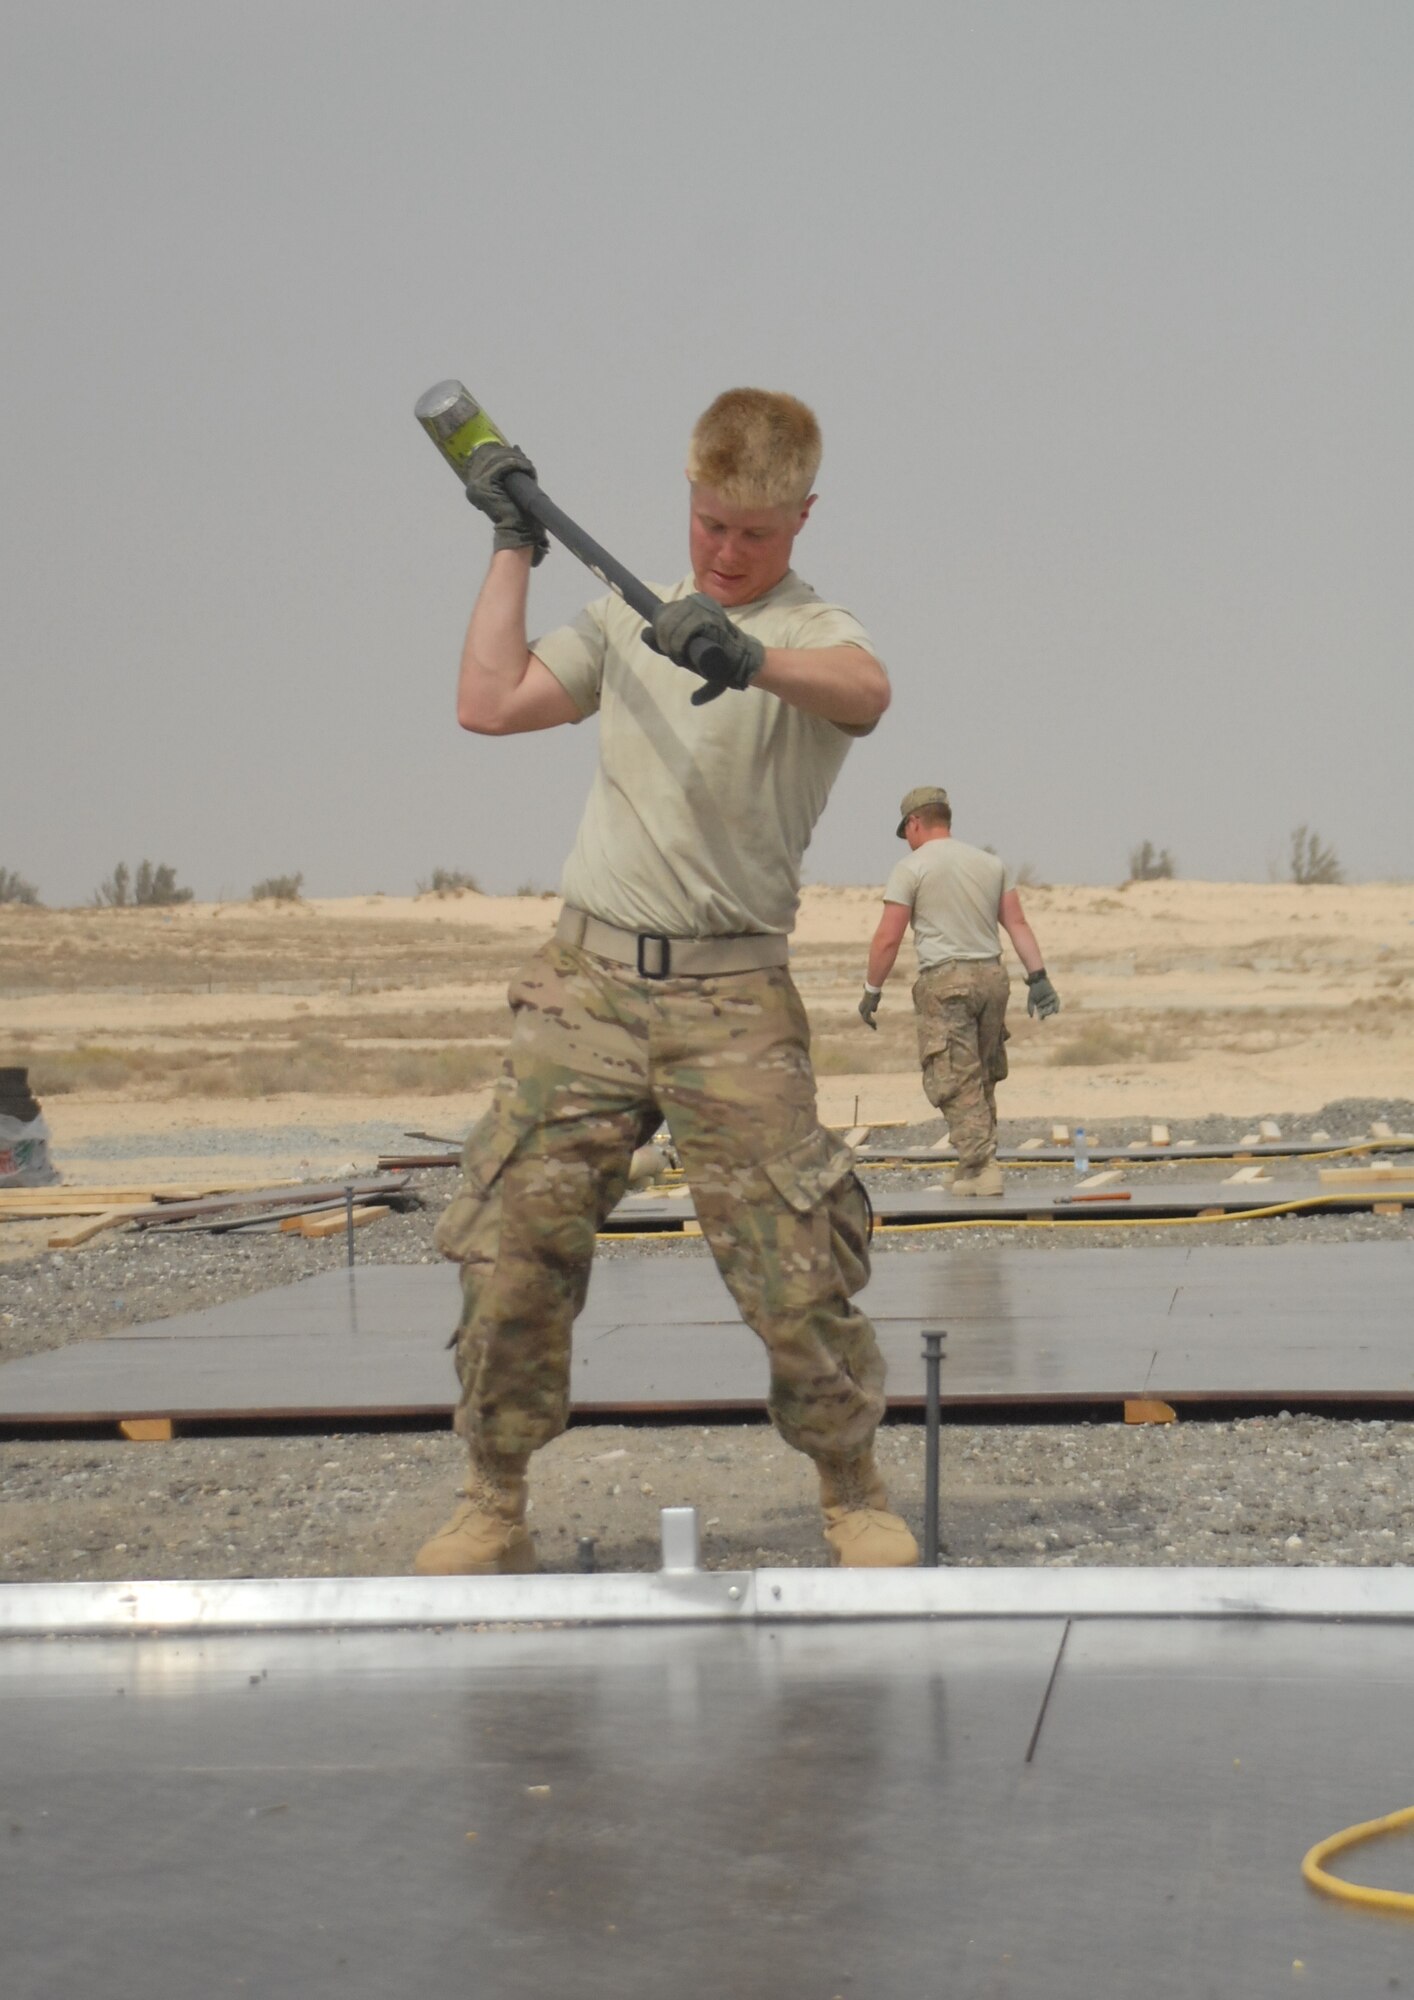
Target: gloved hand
<point>1042,998</point>
<point>676,626</point>
<point>869,1007</point>
<point>485,490</point>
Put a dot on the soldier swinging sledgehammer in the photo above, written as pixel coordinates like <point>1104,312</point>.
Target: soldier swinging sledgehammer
<point>665,993</point>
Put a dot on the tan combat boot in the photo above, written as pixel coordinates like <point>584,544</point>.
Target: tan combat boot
<point>487,1535</point>
<point>859,1528</point>
<point>984,1180</point>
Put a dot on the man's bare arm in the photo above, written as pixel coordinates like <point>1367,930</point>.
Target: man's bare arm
<point>1022,936</point>
<point>844,684</point>
<point>884,946</point>
<point>503,689</point>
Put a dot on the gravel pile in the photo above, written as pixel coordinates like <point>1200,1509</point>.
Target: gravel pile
<point>1285,1489</point>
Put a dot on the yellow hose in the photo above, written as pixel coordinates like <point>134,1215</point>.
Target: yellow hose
<point>1297,1207</point>
<point>1170,1158</point>
<point>1313,1867</point>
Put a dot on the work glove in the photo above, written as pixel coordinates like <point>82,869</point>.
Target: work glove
<point>869,1007</point>
<point>1042,999</point>
<point>485,490</point>
<point>679,625</point>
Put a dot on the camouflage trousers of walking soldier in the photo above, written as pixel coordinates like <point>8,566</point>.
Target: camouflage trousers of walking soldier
<point>961,1009</point>
<point>599,1057</point>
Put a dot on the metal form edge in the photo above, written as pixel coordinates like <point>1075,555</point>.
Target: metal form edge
<point>767,1596</point>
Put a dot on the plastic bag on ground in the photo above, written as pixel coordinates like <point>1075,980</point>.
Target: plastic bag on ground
<point>24,1154</point>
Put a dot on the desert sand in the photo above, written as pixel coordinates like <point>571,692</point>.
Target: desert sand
<point>315,1019</point>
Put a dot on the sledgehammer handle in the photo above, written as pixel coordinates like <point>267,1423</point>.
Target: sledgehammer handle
<point>457,424</point>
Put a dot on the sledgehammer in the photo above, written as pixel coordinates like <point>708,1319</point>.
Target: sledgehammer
<point>457,424</point>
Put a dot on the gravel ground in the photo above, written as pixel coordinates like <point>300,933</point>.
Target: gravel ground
<point>1283,1489</point>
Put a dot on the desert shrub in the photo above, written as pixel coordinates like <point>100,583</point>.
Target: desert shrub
<point>114,893</point>
<point>1026,877</point>
<point>1311,861</point>
<point>448,882</point>
<point>15,889</point>
<point>1097,1042</point>
<point>1148,864</point>
<point>278,889</point>
<point>153,887</point>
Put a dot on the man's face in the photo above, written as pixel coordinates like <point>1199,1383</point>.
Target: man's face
<point>739,553</point>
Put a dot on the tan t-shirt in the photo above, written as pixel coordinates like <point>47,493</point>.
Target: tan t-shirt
<point>697,817</point>
<point>954,892</point>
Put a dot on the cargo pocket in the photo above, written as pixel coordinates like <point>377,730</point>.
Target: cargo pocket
<point>468,1225</point>
<point>938,1085</point>
<point>997,1065</point>
<point>816,1179</point>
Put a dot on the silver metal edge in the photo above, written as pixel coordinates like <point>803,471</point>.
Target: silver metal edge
<point>763,1596</point>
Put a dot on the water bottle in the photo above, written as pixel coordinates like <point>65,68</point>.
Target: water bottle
<point>1082,1153</point>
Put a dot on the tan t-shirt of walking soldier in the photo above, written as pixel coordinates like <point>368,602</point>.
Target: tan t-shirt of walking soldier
<point>954,892</point>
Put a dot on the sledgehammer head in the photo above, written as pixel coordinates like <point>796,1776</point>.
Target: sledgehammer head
<point>456,424</point>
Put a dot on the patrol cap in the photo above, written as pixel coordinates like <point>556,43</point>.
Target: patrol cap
<point>916,800</point>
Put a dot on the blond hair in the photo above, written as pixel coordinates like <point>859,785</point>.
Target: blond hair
<point>757,448</point>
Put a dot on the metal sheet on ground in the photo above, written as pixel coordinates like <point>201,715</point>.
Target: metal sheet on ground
<point>762,1811</point>
<point>1318,1320</point>
<point>1018,1202</point>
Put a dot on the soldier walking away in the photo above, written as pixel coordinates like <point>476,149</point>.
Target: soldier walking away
<point>665,994</point>
<point>957,898</point>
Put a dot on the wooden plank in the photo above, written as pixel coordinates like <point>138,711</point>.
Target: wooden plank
<point>1400,1173</point>
<point>1060,1135</point>
<point>147,1430</point>
<point>1159,1135</point>
<point>277,1194</point>
<point>1148,1410</point>
<point>1387,1208</point>
<point>332,1225</point>
<point>1269,1129</point>
<point>82,1232</point>
<point>1245,1175</point>
<point>76,1198</point>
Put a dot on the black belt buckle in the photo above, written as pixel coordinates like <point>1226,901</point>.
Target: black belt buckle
<point>665,955</point>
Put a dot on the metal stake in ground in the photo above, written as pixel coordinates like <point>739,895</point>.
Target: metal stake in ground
<point>457,424</point>
<point>349,1222</point>
<point>932,1371</point>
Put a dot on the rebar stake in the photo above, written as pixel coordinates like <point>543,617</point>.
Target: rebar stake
<point>348,1222</point>
<point>932,1371</point>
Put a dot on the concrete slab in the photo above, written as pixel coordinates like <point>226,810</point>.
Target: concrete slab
<point>1302,1321</point>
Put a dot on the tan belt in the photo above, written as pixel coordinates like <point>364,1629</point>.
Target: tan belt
<point>654,956</point>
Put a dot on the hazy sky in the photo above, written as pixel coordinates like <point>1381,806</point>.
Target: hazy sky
<point>1106,306</point>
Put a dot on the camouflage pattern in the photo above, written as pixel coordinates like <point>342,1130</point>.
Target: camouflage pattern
<point>598,1059</point>
<point>961,1009</point>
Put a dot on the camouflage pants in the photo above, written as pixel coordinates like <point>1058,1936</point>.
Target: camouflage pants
<point>961,1009</point>
<point>598,1058</point>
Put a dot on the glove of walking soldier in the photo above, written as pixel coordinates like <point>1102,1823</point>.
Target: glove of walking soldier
<point>869,1007</point>
<point>1042,998</point>
<point>679,625</point>
<point>485,490</point>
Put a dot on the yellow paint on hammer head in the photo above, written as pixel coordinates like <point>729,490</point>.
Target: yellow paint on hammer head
<point>456,424</point>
